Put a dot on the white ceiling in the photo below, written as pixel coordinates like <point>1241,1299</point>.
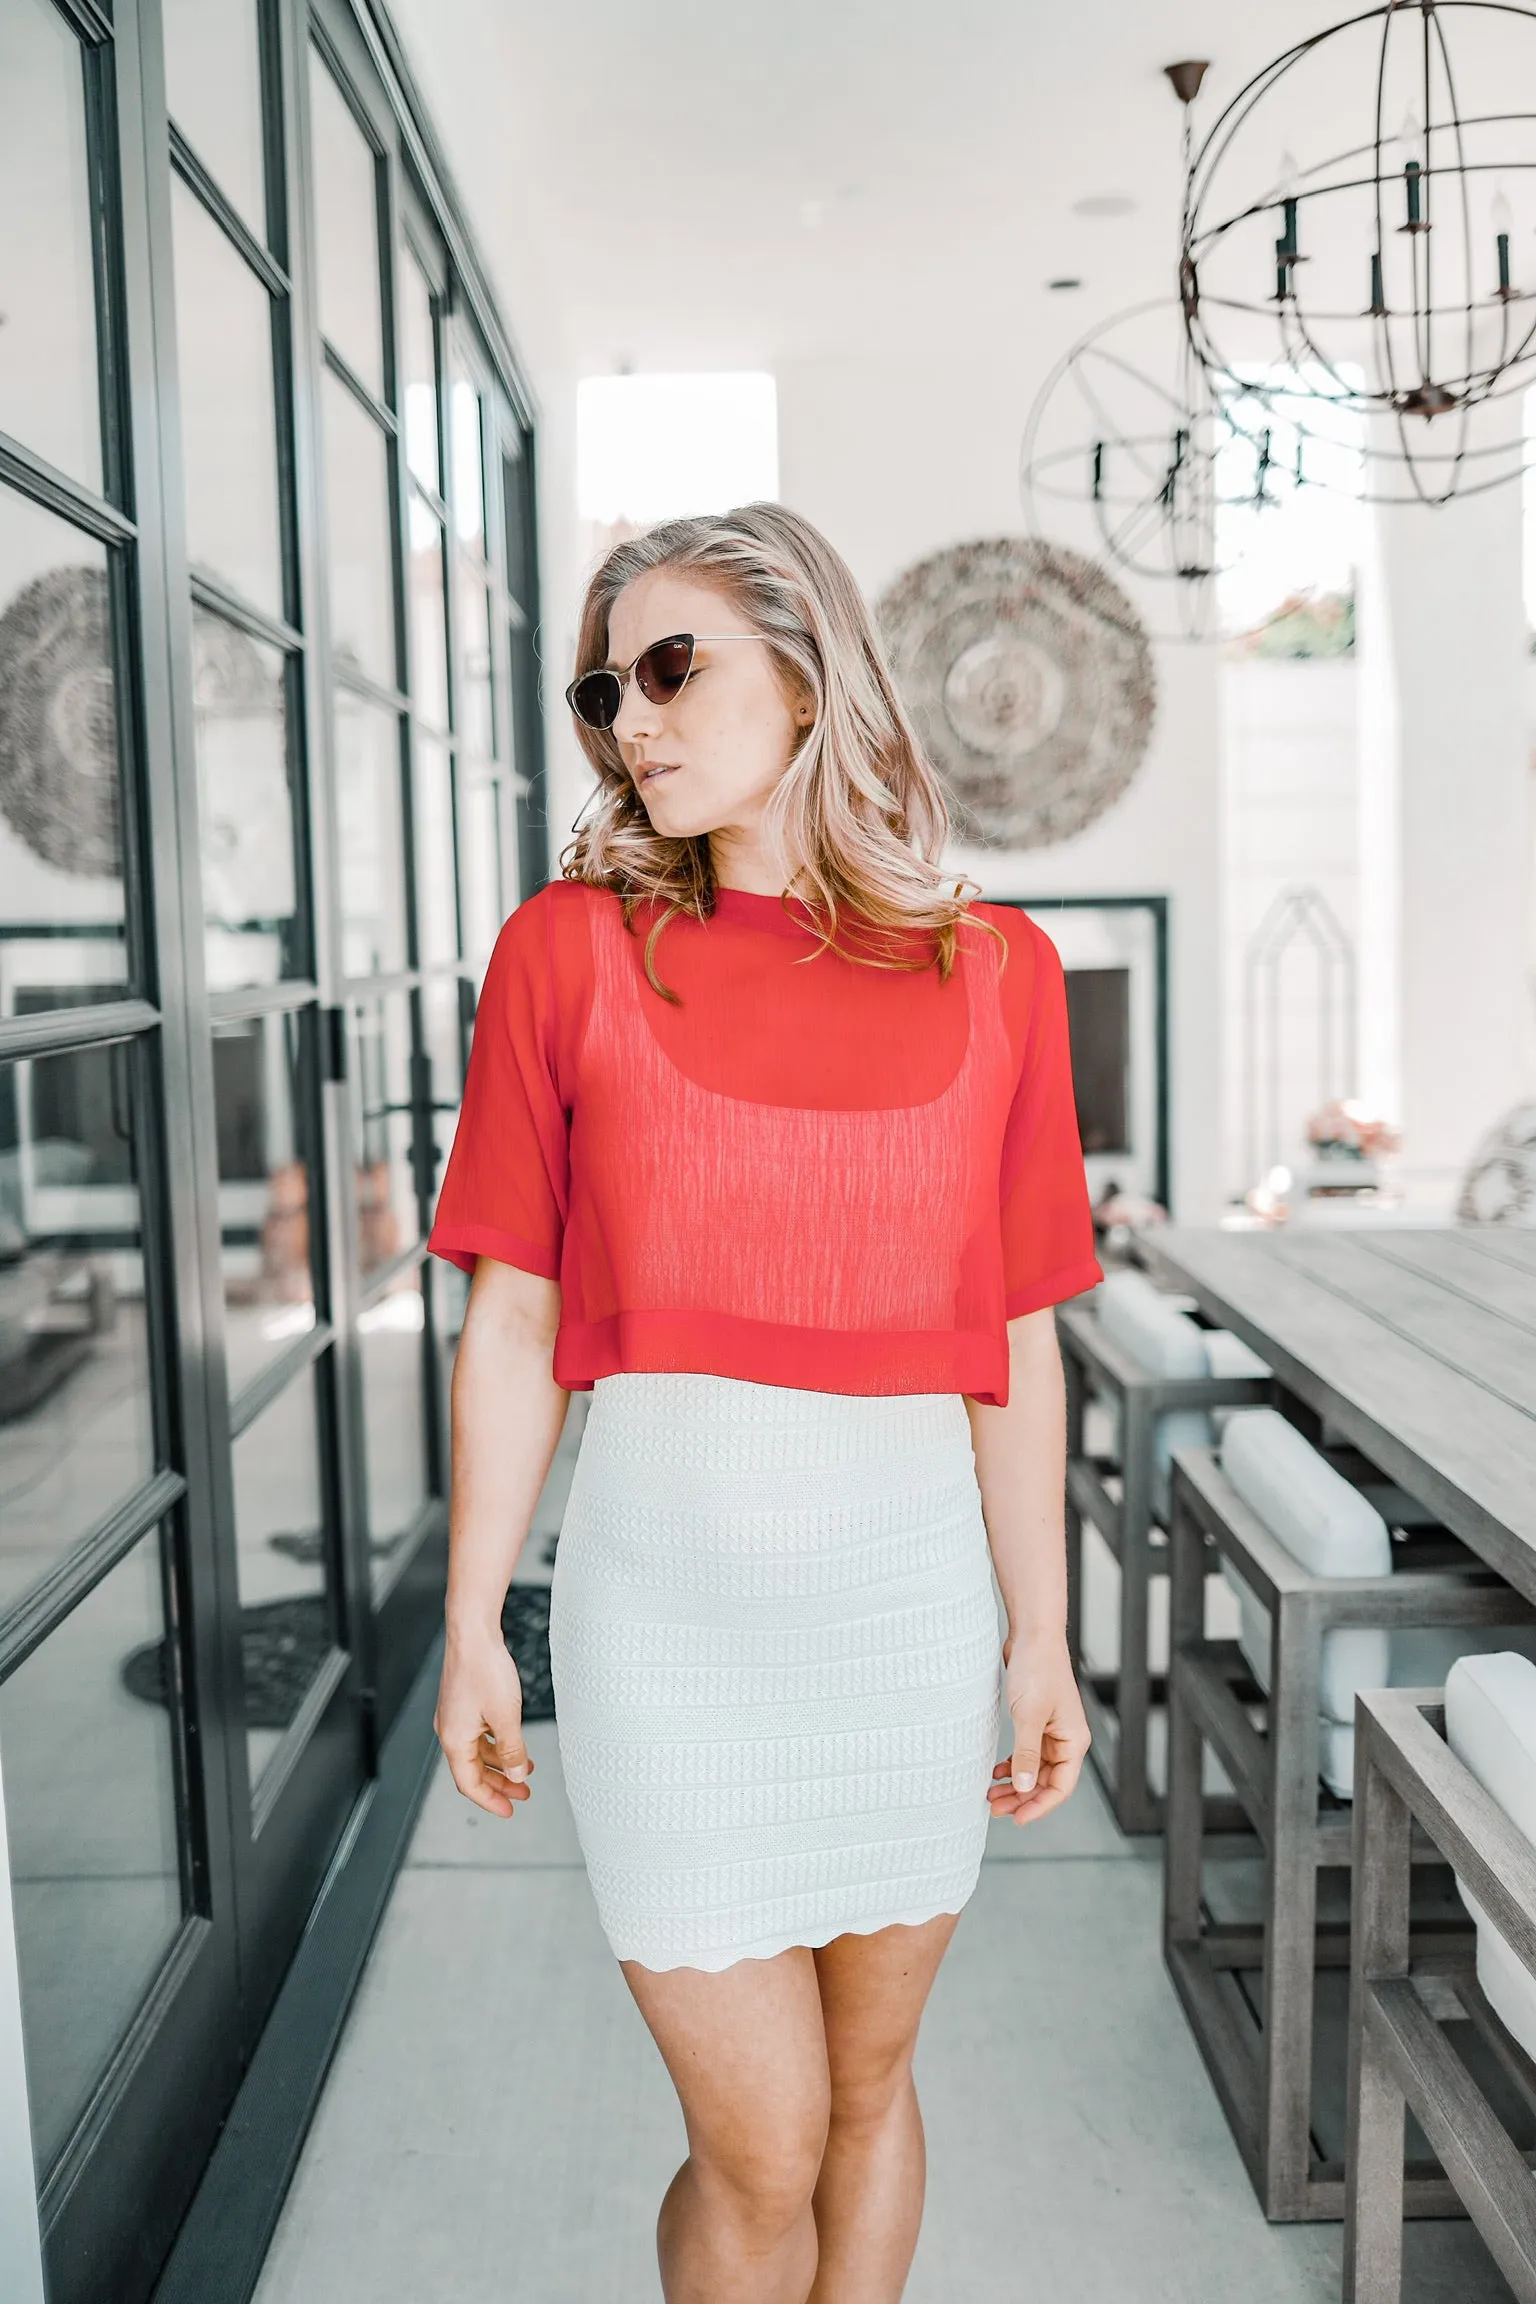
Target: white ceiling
<point>713,184</point>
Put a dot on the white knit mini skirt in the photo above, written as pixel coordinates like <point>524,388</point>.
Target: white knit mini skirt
<point>776,1664</point>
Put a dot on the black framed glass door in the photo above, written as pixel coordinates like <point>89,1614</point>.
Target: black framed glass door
<point>263,1132</point>
<point>268,781</point>
<point>112,1664</point>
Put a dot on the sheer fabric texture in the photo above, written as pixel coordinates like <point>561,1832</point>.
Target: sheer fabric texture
<point>809,1172</point>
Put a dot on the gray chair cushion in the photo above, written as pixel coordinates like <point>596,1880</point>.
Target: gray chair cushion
<point>1490,1725</point>
<point>1165,1342</point>
<point>1330,1530</point>
<point>1230,1356</point>
<point>1327,1527</point>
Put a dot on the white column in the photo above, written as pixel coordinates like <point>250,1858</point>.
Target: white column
<point>1446,1030</point>
<point>21,2255</point>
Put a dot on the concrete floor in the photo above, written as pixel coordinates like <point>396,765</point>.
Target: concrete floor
<point>498,2129</point>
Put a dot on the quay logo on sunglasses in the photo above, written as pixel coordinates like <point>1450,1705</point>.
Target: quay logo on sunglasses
<point>660,672</point>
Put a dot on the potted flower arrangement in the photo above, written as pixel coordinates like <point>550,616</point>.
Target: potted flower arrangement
<point>1348,1142</point>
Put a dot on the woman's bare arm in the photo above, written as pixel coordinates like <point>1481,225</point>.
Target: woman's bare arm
<point>1021,1470</point>
<point>508,1412</point>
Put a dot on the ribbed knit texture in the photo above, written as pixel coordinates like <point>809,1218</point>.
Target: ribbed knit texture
<point>776,1664</point>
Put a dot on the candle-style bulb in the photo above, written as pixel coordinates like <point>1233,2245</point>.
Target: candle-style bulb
<point>1503,222</point>
<point>1411,134</point>
<point>1284,258</point>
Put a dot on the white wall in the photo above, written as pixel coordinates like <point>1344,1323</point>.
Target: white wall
<point>477,110</point>
<point>1290,781</point>
<point>904,451</point>
<point>1446,816</point>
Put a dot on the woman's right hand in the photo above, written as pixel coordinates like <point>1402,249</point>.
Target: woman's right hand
<point>479,1722</point>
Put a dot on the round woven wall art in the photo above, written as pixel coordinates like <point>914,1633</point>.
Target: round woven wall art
<point>1029,676</point>
<point>58,723</point>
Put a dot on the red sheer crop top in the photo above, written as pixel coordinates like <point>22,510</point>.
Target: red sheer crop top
<point>809,1172</point>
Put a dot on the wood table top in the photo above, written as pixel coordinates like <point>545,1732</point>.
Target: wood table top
<point>1418,1345</point>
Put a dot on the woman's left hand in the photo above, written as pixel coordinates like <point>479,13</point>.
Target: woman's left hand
<point>1050,1731</point>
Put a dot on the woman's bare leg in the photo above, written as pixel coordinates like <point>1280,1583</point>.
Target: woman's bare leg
<point>869,2197</point>
<point>748,2057</point>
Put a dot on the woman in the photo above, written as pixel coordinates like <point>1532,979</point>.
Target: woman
<point>768,1140</point>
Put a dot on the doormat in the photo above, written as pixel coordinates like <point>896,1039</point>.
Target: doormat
<point>283,1644</point>
<point>525,1628</point>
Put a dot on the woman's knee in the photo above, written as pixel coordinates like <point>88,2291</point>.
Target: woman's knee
<point>763,2170</point>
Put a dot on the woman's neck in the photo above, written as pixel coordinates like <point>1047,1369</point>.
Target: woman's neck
<point>746,866</point>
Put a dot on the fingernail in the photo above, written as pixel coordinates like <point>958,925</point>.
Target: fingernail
<point>1023,1783</point>
<point>519,1774</point>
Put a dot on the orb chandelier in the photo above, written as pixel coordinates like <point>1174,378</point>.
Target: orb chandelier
<point>1397,275</point>
<point>1131,452</point>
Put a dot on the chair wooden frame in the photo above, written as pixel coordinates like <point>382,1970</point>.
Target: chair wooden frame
<point>1409,1782</point>
<point>1263,2073</point>
<point>1119,1704</point>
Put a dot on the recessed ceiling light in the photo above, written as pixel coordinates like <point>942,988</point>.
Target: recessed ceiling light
<point>1068,281</point>
<point>1104,204</point>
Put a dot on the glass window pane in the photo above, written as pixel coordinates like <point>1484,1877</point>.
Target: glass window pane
<point>519,741</point>
<point>443,1037</point>
<point>476,717</point>
<point>468,467</point>
<point>418,381</point>
<point>388,1218</point>
<point>245,803</point>
<point>450,1301</point>
<point>49,395</point>
<point>213,90</point>
<point>228,414</point>
<point>391,1347</point>
<point>370,826</point>
<point>86,1743</point>
<point>346,229</point>
<point>480,880</point>
<point>281,1562</point>
<point>515,479</point>
<point>61,856</point>
<point>261,1107</point>
<point>359,546</point>
<point>429,629</point>
<point>437,922</point>
<point>76,1428</point>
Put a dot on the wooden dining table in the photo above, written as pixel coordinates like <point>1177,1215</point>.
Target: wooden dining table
<point>1417,1345</point>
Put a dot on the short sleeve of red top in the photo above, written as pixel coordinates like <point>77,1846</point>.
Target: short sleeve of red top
<point>808,1171</point>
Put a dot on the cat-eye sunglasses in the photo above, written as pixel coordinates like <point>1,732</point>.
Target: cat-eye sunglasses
<point>661,672</point>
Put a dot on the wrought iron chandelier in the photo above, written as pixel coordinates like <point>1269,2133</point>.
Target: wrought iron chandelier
<point>1131,440</point>
<point>1125,429</point>
<point>1396,277</point>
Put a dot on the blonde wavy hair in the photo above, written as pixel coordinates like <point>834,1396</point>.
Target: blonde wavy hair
<point>858,819</point>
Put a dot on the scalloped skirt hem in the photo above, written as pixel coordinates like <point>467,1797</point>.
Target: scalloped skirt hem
<point>807,1939</point>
